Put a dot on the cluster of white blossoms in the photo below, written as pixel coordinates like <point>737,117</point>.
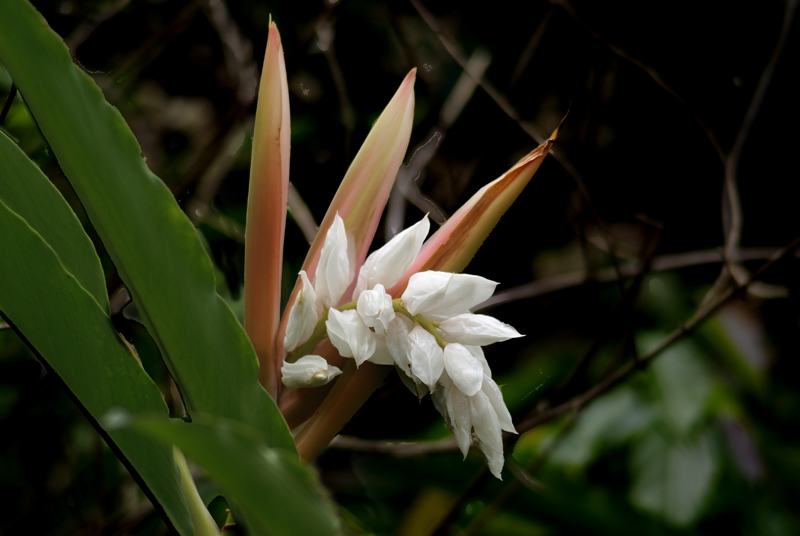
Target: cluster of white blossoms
<point>428,333</point>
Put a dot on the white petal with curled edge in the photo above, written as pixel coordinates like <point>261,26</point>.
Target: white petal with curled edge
<point>334,270</point>
<point>308,371</point>
<point>302,317</point>
<point>495,397</point>
<point>478,330</point>
<point>375,309</point>
<point>463,368</point>
<point>440,295</point>
<point>425,356</point>
<point>487,430</point>
<point>387,264</point>
<point>349,335</point>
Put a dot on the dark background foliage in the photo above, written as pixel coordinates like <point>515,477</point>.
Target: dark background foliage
<point>666,102</point>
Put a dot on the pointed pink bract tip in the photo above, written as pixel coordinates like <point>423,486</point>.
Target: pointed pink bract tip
<point>410,77</point>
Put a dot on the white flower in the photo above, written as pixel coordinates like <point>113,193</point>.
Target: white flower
<point>302,317</point>
<point>308,371</point>
<point>478,330</point>
<point>350,336</point>
<point>440,295</point>
<point>482,416</point>
<point>387,264</point>
<point>336,267</point>
<point>375,309</point>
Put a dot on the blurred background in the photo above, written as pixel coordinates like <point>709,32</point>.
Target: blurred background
<point>651,395</point>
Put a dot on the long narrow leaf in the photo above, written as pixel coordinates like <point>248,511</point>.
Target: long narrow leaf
<point>26,191</point>
<point>273,491</point>
<point>68,328</point>
<point>152,243</point>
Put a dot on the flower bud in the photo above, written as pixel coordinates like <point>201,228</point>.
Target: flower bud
<point>303,316</point>
<point>375,309</point>
<point>308,371</point>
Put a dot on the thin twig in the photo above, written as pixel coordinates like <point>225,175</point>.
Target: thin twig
<point>396,448</point>
<point>661,263</point>
<point>625,308</point>
<point>530,48</point>
<point>731,202</point>
<point>237,51</point>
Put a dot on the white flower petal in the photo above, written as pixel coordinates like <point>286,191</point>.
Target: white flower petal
<point>440,295</point>
<point>375,309</point>
<point>397,342</point>
<point>459,417</point>
<point>425,356</point>
<point>302,317</point>
<point>494,457</point>
<point>425,290</point>
<point>416,387</point>
<point>349,335</point>
<point>477,330</point>
<point>495,397</point>
<point>308,371</point>
<point>463,368</point>
<point>335,268</point>
<point>487,431</point>
<point>381,355</point>
<point>438,397</point>
<point>477,351</point>
<point>387,264</point>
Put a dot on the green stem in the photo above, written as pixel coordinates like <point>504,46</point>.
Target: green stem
<point>427,325</point>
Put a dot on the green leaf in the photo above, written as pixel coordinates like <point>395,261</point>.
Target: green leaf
<point>610,420</point>
<point>274,491</point>
<point>673,478</point>
<point>26,191</point>
<point>683,383</point>
<point>152,243</point>
<point>70,330</point>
